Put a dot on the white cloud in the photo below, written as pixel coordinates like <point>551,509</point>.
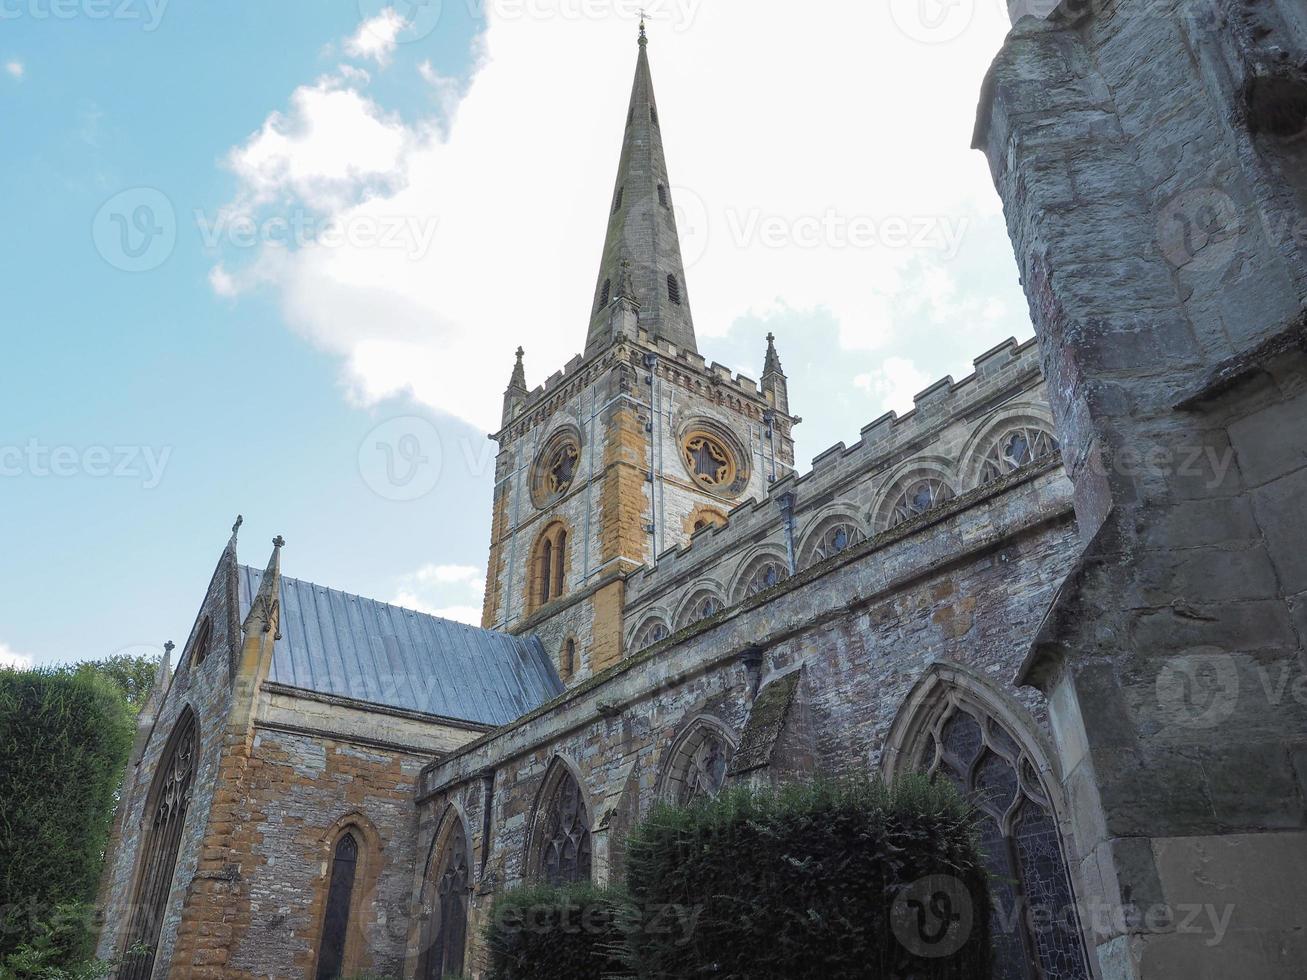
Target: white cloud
<point>863,122</point>
<point>376,38</point>
<point>12,658</point>
<point>15,69</point>
<point>447,591</point>
<point>893,384</point>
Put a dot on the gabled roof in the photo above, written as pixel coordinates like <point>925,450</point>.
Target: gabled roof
<point>340,644</point>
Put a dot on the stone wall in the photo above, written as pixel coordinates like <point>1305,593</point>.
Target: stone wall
<point>205,689</point>
<point>1152,161</point>
<point>966,584</point>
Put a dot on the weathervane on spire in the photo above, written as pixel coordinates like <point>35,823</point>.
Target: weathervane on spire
<point>644,37</point>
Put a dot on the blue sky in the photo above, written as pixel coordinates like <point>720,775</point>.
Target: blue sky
<point>170,361</point>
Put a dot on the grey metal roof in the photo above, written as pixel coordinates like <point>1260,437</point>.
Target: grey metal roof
<point>336,643</point>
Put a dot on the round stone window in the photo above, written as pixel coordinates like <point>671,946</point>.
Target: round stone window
<point>711,462</point>
<point>556,467</point>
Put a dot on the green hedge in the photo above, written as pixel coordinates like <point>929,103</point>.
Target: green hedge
<point>64,740</point>
<point>832,881</point>
<point>548,933</point>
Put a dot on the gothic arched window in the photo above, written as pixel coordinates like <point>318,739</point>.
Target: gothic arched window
<point>335,916</point>
<point>767,575</point>
<point>567,662</point>
<point>704,605</point>
<point>606,294</point>
<point>673,289</point>
<point>1016,448</point>
<point>165,814</point>
<point>837,535</point>
<point>919,497</point>
<point>653,631</point>
<point>450,888</point>
<point>548,569</point>
<point>698,764</point>
<point>562,834</point>
<point>201,649</point>
<point>1034,925</point>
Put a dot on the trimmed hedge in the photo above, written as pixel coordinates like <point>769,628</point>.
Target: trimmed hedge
<point>835,881</point>
<point>64,740</point>
<point>546,933</point>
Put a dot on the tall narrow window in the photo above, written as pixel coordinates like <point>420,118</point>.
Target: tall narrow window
<point>449,935</point>
<point>653,114</point>
<point>335,920</point>
<point>166,808</point>
<point>548,566</point>
<point>560,559</point>
<point>662,195</point>
<point>673,289</point>
<point>568,665</point>
<point>547,571</point>
<point>201,649</point>
<point>606,293</point>
<point>617,201</point>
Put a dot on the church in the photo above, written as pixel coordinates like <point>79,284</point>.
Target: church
<point>330,786</point>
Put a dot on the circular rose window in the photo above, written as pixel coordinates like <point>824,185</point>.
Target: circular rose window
<point>556,468</point>
<point>709,461</point>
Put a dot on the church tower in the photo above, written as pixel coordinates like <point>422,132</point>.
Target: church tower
<point>636,444</point>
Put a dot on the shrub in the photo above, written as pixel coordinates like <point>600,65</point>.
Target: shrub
<point>64,740</point>
<point>544,933</point>
<point>833,881</point>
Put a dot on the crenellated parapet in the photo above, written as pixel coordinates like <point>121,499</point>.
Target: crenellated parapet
<point>960,436</point>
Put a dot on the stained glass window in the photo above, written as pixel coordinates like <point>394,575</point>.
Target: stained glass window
<point>1034,924</point>
<point>698,766</point>
<point>838,537</point>
<point>654,631</point>
<point>918,498</point>
<point>169,801</point>
<point>768,575</point>
<point>449,933</point>
<point>1017,448</point>
<point>565,835</point>
<point>335,920</point>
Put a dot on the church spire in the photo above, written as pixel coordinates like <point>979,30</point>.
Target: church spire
<point>515,394</point>
<point>643,247</point>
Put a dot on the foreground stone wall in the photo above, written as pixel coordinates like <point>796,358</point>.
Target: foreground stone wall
<point>964,585</point>
<point>1152,161</point>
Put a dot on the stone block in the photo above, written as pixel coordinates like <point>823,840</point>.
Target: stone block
<point>1269,443</point>
<point>1281,509</point>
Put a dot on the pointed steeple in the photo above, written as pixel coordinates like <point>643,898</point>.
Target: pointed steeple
<point>515,394</point>
<point>265,611</point>
<point>642,253</point>
<point>774,386</point>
